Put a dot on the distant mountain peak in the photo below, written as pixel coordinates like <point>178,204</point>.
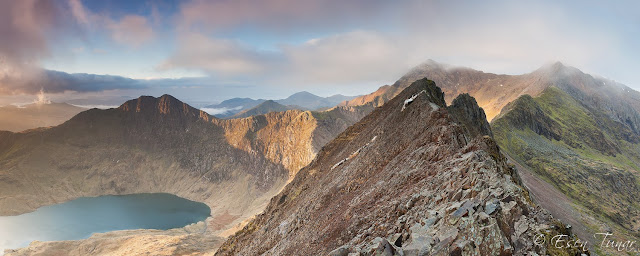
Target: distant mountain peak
<point>558,64</point>
<point>164,105</point>
<point>556,67</point>
<point>263,108</point>
<point>303,93</point>
<point>431,64</point>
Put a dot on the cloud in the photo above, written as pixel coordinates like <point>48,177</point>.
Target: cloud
<point>132,30</point>
<point>280,15</point>
<point>218,111</point>
<point>79,12</point>
<point>59,82</point>
<point>502,36</point>
<point>219,56</point>
<point>28,29</point>
<point>344,58</point>
<point>24,26</point>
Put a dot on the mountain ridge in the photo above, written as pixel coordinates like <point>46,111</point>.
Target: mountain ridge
<point>263,108</point>
<point>485,87</point>
<point>301,100</point>
<point>393,184</point>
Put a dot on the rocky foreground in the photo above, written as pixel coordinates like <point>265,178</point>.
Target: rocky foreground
<point>414,177</point>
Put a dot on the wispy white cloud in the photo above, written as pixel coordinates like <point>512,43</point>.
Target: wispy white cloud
<point>25,28</point>
<point>278,15</point>
<point>79,12</point>
<point>218,111</point>
<point>220,56</point>
<point>132,30</point>
<point>500,36</point>
<point>28,29</point>
<point>345,58</point>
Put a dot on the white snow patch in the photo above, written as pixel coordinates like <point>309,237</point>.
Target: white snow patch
<point>339,163</point>
<point>354,154</point>
<point>409,100</point>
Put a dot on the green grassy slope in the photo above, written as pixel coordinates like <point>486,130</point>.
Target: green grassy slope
<point>589,157</point>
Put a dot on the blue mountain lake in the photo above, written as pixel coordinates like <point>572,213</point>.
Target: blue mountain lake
<point>79,218</point>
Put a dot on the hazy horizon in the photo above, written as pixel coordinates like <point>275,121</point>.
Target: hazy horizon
<point>204,52</point>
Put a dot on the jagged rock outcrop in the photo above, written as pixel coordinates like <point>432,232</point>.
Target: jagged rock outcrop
<point>466,112</point>
<point>405,180</point>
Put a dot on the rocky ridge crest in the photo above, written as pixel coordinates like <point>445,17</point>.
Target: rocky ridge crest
<point>405,180</point>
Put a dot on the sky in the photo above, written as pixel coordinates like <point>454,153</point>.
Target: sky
<point>207,51</point>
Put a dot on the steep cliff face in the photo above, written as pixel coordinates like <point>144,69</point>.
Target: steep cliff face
<point>282,137</point>
<point>291,138</point>
<point>407,179</point>
<point>464,109</point>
